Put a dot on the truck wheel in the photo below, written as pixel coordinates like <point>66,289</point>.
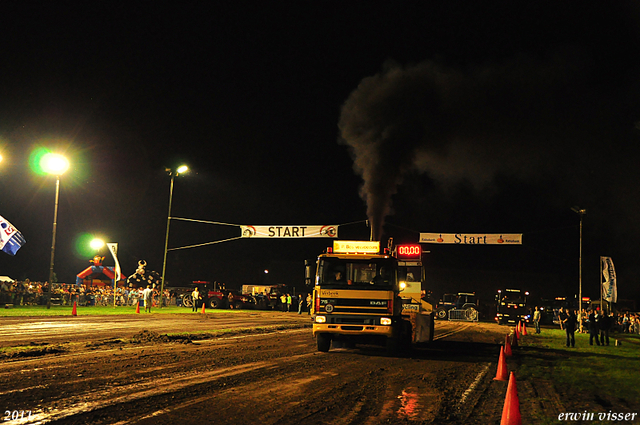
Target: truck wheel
<point>433,328</point>
<point>237,304</point>
<point>407,337</point>
<point>324,342</point>
<point>214,302</point>
<point>187,301</point>
<point>392,346</point>
<point>441,313</point>
<point>471,314</point>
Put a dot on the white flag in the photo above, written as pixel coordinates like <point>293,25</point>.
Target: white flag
<point>10,238</point>
<point>609,284</point>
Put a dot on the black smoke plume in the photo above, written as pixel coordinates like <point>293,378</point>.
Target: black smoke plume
<point>525,116</point>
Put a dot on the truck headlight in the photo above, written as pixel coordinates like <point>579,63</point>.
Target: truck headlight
<point>385,321</point>
<point>321,319</point>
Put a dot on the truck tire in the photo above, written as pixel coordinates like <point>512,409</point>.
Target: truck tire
<point>392,345</point>
<point>471,314</point>
<point>237,304</point>
<point>433,327</point>
<point>187,301</point>
<point>441,313</point>
<point>214,302</point>
<point>324,342</point>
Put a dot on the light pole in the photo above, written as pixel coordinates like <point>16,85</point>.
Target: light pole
<point>57,165</point>
<point>180,170</point>
<point>581,212</point>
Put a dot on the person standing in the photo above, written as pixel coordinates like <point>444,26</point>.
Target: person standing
<point>300,303</point>
<point>309,304</point>
<point>147,296</point>
<point>593,328</point>
<point>289,300</point>
<point>562,316</point>
<point>283,302</point>
<point>603,326</point>
<point>536,319</point>
<point>195,296</point>
<point>570,327</point>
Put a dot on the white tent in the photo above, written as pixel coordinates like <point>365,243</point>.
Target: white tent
<point>6,279</point>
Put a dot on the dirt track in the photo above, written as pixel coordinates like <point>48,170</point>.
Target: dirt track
<point>276,377</point>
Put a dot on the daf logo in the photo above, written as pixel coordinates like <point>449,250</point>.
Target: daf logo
<point>329,308</point>
<point>378,303</point>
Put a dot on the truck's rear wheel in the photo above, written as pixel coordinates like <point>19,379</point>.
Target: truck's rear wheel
<point>214,302</point>
<point>324,342</point>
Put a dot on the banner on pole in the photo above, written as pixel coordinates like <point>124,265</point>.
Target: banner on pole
<point>10,238</point>
<point>113,247</point>
<point>472,238</point>
<point>289,232</point>
<point>609,284</point>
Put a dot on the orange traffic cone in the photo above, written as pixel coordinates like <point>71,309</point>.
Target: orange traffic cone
<point>524,329</point>
<point>202,308</point>
<point>138,308</point>
<point>74,311</point>
<point>514,340</point>
<point>517,334</point>
<point>507,347</point>
<point>511,409</point>
<point>501,373</point>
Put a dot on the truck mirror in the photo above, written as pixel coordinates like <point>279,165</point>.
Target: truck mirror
<point>309,272</point>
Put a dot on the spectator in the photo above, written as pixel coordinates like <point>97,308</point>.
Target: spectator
<point>593,328</point>
<point>604,324</point>
<point>570,328</point>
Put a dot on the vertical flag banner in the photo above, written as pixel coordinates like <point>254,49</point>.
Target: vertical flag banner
<point>609,284</point>
<point>10,238</point>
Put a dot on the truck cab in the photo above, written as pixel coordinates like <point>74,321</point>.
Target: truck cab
<point>358,298</point>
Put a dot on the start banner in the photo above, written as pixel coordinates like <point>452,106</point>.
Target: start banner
<point>288,232</point>
<point>472,238</point>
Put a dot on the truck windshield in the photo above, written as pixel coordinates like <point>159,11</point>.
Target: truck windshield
<point>512,297</point>
<point>362,274</point>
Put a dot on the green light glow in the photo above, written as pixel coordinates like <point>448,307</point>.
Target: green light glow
<point>35,160</point>
<point>84,245</point>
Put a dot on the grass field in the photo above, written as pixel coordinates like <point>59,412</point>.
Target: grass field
<point>599,378</point>
<point>36,311</point>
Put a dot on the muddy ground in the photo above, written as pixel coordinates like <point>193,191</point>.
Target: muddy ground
<point>118,370</point>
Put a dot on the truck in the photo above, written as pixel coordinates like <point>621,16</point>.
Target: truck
<point>364,295</point>
<point>512,306</point>
<point>461,306</point>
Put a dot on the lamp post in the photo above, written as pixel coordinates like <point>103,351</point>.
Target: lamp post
<point>581,212</point>
<point>54,164</point>
<point>180,170</point>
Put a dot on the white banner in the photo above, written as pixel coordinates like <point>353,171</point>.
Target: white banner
<point>472,238</point>
<point>609,284</point>
<point>288,232</point>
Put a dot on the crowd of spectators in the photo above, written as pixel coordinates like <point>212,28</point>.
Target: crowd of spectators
<point>36,293</point>
<point>623,322</point>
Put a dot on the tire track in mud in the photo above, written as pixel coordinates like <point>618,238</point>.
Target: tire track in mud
<point>344,386</point>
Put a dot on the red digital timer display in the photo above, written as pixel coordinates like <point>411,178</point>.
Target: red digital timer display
<point>409,251</point>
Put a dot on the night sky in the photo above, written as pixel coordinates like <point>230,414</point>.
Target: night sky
<point>452,117</point>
